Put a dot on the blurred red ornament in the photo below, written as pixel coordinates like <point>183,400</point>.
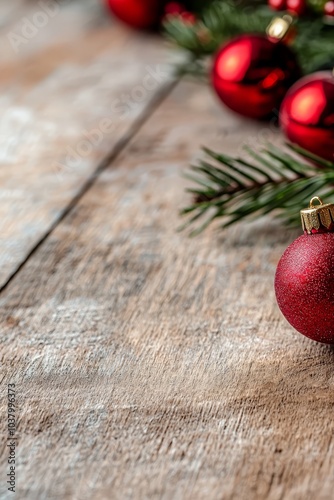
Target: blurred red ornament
<point>305,276</point>
<point>178,9</point>
<point>307,114</point>
<point>297,7</point>
<point>251,75</point>
<point>277,4</point>
<point>188,17</point>
<point>174,8</point>
<point>141,14</point>
<point>329,9</point>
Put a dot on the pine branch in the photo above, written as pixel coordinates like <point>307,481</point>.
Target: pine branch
<point>223,19</point>
<point>265,182</point>
<point>219,22</point>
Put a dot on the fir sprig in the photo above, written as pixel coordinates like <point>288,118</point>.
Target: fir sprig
<point>223,19</point>
<point>218,22</point>
<point>267,181</point>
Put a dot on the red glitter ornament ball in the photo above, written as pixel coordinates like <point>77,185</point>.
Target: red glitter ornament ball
<point>305,276</point>
<point>251,75</point>
<point>307,114</point>
<point>140,14</point>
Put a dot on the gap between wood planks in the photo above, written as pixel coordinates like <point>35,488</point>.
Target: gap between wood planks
<point>120,145</point>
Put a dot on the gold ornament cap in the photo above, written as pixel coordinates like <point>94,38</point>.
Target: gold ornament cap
<point>318,217</point>
<point>279,28</point>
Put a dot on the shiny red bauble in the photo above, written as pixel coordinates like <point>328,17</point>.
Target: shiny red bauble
<point>304,286</point>
<point>140,14</point>
<point>298,7</point>
<point>174,8</point>
<point>179,10</point>
<point>329,9</point>
<point>277,4</point>
<point>251,75</point>
<point>307,114</point>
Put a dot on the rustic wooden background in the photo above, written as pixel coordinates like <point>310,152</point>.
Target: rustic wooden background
<point>147,365</point>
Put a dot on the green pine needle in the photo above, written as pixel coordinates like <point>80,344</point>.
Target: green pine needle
<point>224,19</point>
<point>268,181</point>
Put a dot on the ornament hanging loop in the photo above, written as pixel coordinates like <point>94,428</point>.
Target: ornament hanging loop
<point>319,200</point>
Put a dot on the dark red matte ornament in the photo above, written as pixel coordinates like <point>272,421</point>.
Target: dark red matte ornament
<point>307,114</point>
<point>251,75</point>
<point>305,276</point>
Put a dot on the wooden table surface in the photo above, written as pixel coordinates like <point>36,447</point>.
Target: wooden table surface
<point>147,365</point>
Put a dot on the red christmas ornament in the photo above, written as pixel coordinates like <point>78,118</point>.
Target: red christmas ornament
<point>178,9</point>
<point>307,114</point>
<point>174,8</point>
<point>277,4</point>
<point>329,9</point>
<point>305,276</point>
<point>141,14</point>
<point>297,7</point>
<point>252,73</point>
<point>188,17</point>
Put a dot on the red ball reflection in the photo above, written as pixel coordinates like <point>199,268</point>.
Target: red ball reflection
<point>307,114</point>
<point>251,75</point>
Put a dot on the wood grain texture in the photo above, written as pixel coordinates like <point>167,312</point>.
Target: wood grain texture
<point>153,366</point>
<point>79,89</point>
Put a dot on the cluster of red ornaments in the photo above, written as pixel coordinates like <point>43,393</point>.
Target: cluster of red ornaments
<point>300,7</point>
<point>255,77</point>
<point>297,7</point>
<point>254,74</point>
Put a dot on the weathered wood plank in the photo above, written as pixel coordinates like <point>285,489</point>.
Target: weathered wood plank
<point>153,366</point>
<point>64,109</point>
<point>30,26</point>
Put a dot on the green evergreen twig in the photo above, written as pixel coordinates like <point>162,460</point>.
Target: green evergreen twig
<point>268,181</point>
<point>224,19</point>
